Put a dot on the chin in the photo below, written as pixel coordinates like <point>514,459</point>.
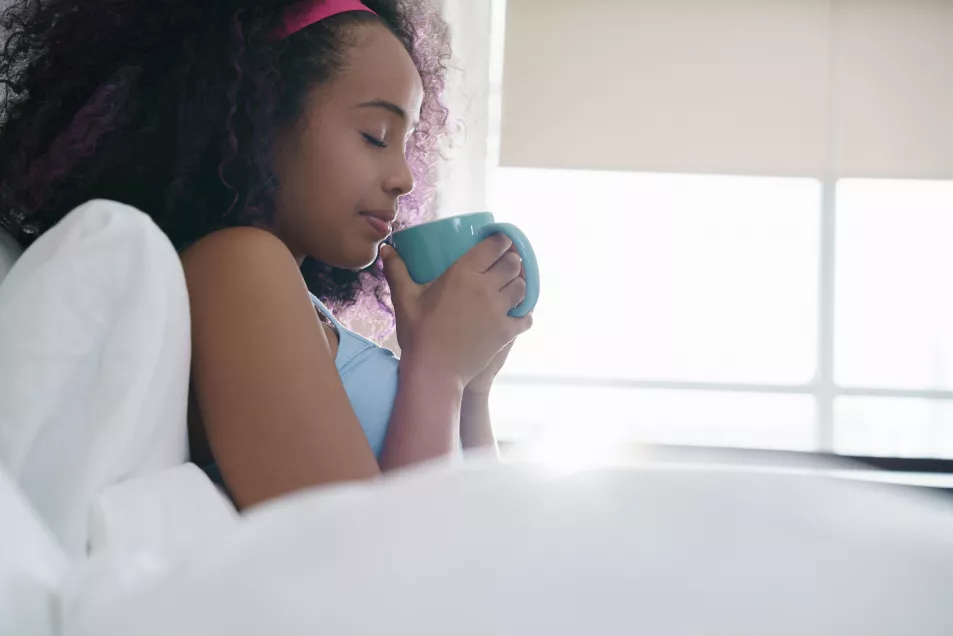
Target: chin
<point>364,259</point>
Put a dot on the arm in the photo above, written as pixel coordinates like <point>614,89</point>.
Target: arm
<point>425,422</point>
<point>273,406</point>
<point>476,430</point>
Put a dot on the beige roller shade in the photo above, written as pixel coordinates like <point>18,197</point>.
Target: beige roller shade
<point>781,87</point>
<point>894,88</point>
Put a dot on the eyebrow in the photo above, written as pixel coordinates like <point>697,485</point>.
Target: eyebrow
<point>391,108</point>
<point>385,105</point>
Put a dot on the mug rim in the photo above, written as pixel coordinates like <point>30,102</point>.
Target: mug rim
<point>442,219</point>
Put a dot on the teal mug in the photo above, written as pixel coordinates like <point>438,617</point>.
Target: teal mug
<point>429,249</point>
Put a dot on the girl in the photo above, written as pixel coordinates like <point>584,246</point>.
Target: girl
<point>277,144</point>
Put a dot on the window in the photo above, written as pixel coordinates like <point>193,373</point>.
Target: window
<point>685,309</point>
<point>676,308</point>
<point>894,318</point>
<point>748,311</point>
<point>894,295</point>
<point>606,413</point>
<point>707,278</point>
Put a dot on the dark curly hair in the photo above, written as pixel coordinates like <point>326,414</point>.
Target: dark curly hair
<point>169,106</point>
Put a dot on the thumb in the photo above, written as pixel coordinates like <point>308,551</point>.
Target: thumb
<point>395,271</point>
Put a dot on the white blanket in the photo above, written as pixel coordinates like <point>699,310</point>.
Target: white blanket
<point>516,550</point>
<point>32,567</point>
<point>166,514</point>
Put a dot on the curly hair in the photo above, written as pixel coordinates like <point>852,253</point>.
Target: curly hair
<point>169,106</point>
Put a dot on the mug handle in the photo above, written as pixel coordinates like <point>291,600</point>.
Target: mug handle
<point>530,266</point>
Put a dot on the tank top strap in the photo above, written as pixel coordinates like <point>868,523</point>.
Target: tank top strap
<point>350,345</point>
<point>327,314</point>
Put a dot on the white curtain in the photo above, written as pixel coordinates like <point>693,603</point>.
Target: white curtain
<point>463,183</point>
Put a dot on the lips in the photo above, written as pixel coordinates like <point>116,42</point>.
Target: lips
<point>379,221</point>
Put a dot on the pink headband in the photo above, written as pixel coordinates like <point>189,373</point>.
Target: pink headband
<point>304,14</point>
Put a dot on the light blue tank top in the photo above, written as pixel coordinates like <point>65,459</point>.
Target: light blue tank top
<point>369,374</point>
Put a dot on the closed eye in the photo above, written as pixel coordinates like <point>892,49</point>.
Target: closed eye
<point>374,141</point>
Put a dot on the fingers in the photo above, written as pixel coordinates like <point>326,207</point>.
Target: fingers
<point>514,292</point>
<point>395,271</point>
<point>486,253</point>
<point>505,270</point>
<point>519,326</point>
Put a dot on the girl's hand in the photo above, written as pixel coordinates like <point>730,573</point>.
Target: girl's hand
<point>483,382</point>
<point>457,324</point>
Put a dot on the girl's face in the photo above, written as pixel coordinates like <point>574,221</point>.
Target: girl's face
<point>342,168</point>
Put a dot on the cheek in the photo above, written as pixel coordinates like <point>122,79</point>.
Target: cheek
<point>304,170</point>
<point>327,173</point>
<point>346,172</point>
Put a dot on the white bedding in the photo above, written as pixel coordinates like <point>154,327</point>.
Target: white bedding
<point>515,550</point>
<point>166,513</point>
<point>94,362</point>
<point>32,567</point>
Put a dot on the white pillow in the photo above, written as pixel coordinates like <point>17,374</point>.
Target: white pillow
<point>94,362</point>
<point>32,567</point>
<point>9,252</point>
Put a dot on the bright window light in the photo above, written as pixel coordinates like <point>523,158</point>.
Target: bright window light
<point>894,298</point>
<point>668,276</point>
<point>608,415</point>
<point>894,427</point>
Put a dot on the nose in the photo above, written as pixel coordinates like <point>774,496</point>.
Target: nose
<point>400,180</point>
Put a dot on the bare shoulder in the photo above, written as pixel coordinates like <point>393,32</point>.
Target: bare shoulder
<point>246,270</point>
<point>244,280</point>
<point>235,238</point>
<point>236,253</point>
